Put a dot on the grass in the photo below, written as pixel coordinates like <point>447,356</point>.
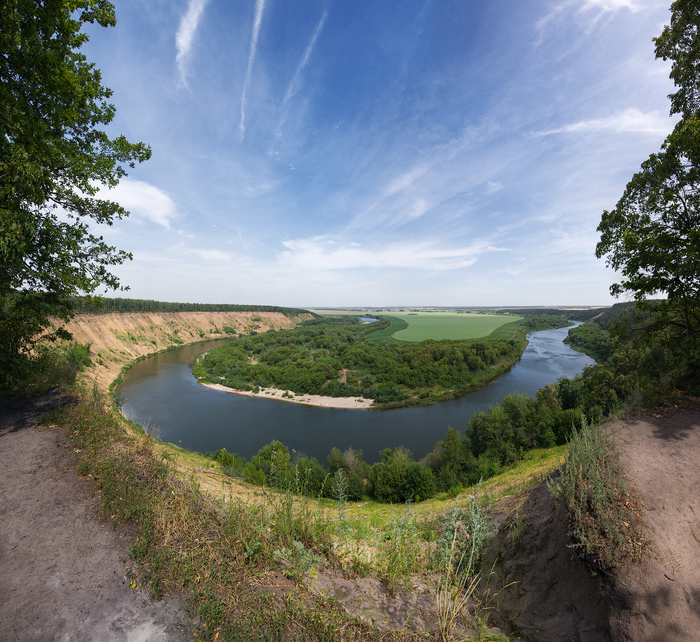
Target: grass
<point>227,548</point>
<point>387,334</point>
<point>244,556</point>
<point>604,520</point>
<point>506,331</point>
<point>448,325</point>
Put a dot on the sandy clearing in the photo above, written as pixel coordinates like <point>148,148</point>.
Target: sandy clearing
<point>307,400</point>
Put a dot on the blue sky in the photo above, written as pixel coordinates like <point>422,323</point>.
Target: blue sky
<point>379,153</point>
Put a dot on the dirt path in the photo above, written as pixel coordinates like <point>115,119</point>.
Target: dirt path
<point>552,595</point>
<point>661,458</point>
<point>63,570</point>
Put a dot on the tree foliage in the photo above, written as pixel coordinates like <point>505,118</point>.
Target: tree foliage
<point>54,158</point>
<point>118,304</point>
<point>652,237</point>
<point>680,42</point>
<point>329,356</point>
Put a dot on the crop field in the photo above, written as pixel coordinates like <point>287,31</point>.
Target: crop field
<point>449,325</point>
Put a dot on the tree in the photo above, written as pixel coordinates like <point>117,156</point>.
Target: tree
<point>652,237</point>
<point>680,42</point>
<point>54,158</point>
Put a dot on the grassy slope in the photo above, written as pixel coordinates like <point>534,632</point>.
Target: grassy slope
<point>216,537</point>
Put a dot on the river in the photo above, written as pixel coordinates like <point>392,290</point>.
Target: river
<point>161,395</point>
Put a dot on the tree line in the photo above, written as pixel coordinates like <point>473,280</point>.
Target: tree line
<point>311,358</point>
<point>577,315</point>
<point>636,373</point>
<point>118,304</point>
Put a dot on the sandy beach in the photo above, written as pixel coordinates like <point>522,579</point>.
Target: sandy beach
<point>309,400</point>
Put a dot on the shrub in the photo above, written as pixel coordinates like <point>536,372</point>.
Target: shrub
<point>594,492</point>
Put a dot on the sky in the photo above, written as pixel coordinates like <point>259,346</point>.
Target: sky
<point>322,153</point>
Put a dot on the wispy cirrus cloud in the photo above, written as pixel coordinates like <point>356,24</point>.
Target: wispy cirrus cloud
<point>294,83</point>
<point>611,5</point>
<point>326,253</point>
<point>629,120</point>
<point>185,35</point>
<point>259,9</point>
<point>594,8</point>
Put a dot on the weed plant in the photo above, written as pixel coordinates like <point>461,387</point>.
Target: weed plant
<point>602,523</point>
<point>400,550</point>
<point>244,564</point>
<point>458,559</point>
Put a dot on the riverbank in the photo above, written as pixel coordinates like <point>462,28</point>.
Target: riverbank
<point>307,400</point>
<point>118,339</point>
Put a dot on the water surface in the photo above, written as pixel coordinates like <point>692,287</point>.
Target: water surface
<point>161,394</point>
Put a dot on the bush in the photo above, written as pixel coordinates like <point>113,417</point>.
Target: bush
<point>593,489</point>
<point>398,479</point>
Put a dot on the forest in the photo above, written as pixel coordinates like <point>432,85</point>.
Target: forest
<point>634,370</point>
<point>119,304</point>
<point>330,356</point>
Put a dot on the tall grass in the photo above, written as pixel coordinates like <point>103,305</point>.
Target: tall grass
<point>458,560</point>
<point>229,554</point>
<point>603,525</point>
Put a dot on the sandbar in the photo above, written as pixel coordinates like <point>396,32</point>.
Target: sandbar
<point>308,400</point>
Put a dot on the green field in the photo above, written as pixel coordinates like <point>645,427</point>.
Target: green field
<point>449,325</point>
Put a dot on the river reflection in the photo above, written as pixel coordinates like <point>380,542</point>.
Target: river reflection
<point>161,394</point>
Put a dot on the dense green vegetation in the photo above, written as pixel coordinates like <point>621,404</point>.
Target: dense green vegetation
<point>117,304</point>
<point>634,371</point>
<point>55,157</point>
<point>652,236</point>
<point>315,353</point>
<point>584,314</point>
<point>329,356</point>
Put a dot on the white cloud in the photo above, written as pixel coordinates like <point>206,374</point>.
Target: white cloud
<point>629,120</point>
<point>595,7</point>
<point>259,8</point>
<point>324,253</point>
<point>142,200</point>
<point>611,5</point>
<point>406,180</point>
<point>293,85</point>
<point>185,35</point>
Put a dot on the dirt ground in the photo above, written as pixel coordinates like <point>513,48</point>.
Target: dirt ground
<point>63,570</point>
<point>552,595</point>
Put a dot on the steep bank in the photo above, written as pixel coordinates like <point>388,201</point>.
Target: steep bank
<point>116,339</point>
<point>552,596</point>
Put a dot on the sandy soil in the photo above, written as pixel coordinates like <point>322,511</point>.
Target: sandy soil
<point>63,570</point>
<point>660,599</point>
<point>116,339</point>
<point>553,596</point>
<point>308,400</point>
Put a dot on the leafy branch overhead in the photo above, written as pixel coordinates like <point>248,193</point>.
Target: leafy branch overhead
<point>652,237</point>
<point>54,158</point>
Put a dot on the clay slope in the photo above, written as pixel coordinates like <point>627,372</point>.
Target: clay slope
<point>116,339</point>
<point>555,597</point>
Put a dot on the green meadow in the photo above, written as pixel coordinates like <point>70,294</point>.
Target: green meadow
<point>449,325</point>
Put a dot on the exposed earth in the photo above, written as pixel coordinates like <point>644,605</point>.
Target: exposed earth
<point>554,596</point>
<point>65,571</point>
